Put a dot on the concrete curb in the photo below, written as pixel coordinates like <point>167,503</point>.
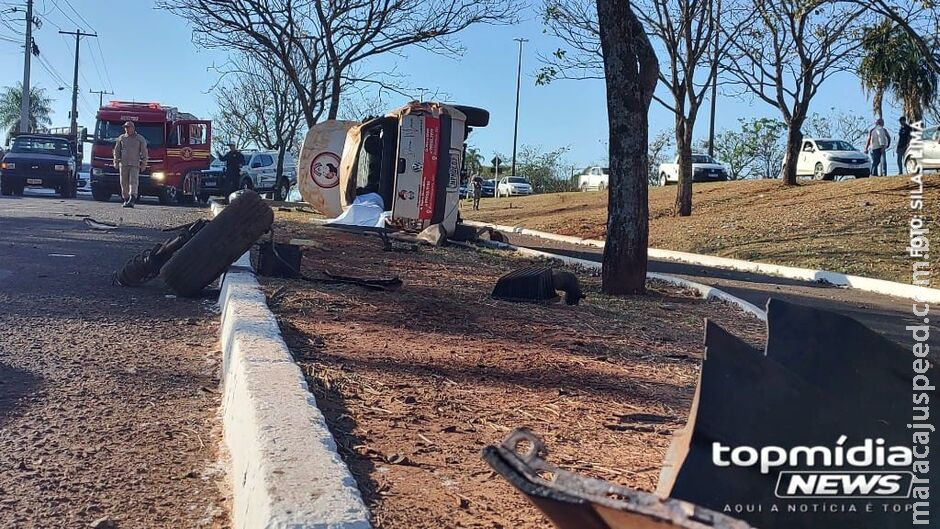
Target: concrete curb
<point>286,470</point>
<point>868,284</point>
<point>705,291</point>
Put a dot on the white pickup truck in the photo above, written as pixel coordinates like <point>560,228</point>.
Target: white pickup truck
<point>704,169</point>
<point>594,178</point>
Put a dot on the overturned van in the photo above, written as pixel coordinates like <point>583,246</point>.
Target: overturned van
<point>407,164</point>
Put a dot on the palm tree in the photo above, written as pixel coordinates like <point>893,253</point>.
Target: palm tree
<point>473,161</point>
<point>878,62</point>
<point>893,63</point>
<point>40,108</point>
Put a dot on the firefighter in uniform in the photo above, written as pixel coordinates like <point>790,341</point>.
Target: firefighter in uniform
<point>130,158</point>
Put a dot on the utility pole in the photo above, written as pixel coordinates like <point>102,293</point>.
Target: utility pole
<point>27,55</point>
<point>101,94</point>
<point>515,129</point>
<point>74,114</point>
<point>711,129</point>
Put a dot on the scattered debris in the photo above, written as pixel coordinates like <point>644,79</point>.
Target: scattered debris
<point>104,523</point>
<point>539,284</point>
<point>435,235</point>
<point>99,225</point>
<point>574,502</point>
<point>811,387</point>
<point>279,259</point>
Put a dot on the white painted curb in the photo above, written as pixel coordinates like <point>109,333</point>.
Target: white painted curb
<point>868,284</point>
<point>286,471</point>
<point>705,291</point>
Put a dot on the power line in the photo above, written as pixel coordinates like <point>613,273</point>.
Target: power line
<point>66,15</point>
<point>90,27</point>
<point>104,64</point>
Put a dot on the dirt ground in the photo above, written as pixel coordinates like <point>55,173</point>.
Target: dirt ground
<point>415,382</point>
<point>855,226</point>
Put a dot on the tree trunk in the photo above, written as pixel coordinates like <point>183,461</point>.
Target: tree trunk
<point>631,71</point>
<point>684,147</point>
<point>877,102</point>
<point>794,144</point>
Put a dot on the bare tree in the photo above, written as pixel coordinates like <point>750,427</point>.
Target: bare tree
<point>788,51</point>
<point>262,104</point>
<point>685,32</point>
<point>631,70</point>
<point>320,47</point>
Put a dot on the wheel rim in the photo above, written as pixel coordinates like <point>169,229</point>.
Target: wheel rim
<point>171,194</point>
<point>246,184</point>
<point>911,165</point>
<point>819,172</point>
<point>662,180</point>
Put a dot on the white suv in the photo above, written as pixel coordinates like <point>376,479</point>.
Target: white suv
<point>594,178</point>
<point>260,172</point>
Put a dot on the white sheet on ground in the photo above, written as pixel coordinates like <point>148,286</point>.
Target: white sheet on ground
<point>366,210</point>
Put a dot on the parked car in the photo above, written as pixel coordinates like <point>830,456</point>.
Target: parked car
<point>704,169</point>
<point>513,185</point>
<point>489,188</point>
<point>259,174</point>
<point>826,158</point>
<point>594,178</point>
<point>924,154</point>
<point>39,160</point>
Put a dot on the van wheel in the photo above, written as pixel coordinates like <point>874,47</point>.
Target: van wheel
<point>663,181</point>
<point>217,245</point>
<point>6,189</point>
<point>584,187</point>
<point>911,165</point>
<point>476,117</point>
<point>602,186</point>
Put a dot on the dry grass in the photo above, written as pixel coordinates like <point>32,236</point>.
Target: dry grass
<point>855,227</point>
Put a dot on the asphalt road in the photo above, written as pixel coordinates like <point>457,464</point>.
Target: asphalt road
<point>885,314</point>
<point>108,395</point>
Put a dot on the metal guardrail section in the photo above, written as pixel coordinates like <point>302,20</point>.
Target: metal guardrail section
<point>571,501</point>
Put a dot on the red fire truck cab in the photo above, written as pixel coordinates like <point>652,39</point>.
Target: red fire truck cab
<point>178,149</point>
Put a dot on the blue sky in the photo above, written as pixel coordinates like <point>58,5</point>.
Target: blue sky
<point>147,55</point>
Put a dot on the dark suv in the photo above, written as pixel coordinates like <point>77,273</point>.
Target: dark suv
<point>39,160</point>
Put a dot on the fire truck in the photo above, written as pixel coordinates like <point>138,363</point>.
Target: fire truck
<point>178,147</point>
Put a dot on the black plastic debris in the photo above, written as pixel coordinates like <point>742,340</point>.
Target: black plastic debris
<point>538,284</point>
<point>279,259</point>
<point>827,395</point>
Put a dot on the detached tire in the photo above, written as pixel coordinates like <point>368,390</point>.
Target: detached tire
<point>216,246</point>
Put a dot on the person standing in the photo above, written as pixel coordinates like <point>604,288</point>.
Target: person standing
<point>130,158</point>
<point>904,141</point>
<point>477,183</point>
<point>878,141</point>
<point>234,160</point>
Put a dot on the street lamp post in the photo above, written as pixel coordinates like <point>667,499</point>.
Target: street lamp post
<point>515,129</point>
